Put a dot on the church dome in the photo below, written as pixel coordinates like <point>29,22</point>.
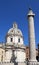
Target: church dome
<point>14,35</point>
<point>15,30</point>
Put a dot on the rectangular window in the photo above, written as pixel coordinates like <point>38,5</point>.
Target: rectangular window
<point>11,39</point>
<point>19,40</point>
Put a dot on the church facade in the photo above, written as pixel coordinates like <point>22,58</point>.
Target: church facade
<point>14,49</point>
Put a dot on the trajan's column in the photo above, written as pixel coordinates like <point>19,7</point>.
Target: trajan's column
<point>31,35</point>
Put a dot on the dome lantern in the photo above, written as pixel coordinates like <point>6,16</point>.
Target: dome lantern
<point>15,25</point>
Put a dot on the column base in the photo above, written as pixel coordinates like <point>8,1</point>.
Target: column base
<point>32,62</point>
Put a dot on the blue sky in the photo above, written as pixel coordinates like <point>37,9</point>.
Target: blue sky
<point>16,10</point>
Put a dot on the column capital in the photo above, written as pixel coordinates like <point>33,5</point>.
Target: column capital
<point>30,13</point>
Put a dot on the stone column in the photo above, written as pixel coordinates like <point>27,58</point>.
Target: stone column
<point>31,35</point>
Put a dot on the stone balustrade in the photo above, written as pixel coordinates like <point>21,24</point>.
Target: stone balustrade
<point>6,63</point>
<point>21,63</point>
